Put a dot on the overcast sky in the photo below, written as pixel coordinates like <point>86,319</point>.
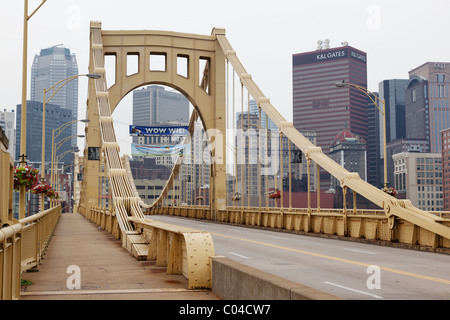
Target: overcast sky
<point>396,35</point>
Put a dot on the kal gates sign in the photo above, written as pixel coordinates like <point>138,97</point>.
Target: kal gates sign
<point>328,55</point>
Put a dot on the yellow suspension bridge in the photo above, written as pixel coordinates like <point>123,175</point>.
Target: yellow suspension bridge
<point>218,86</point>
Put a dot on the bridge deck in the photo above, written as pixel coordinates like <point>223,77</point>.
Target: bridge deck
<point>108,271</point>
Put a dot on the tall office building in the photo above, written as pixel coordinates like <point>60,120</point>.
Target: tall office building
<point>156,105</point>
<point>49,67</point>
<point>255,150</point>
<point>374,162</point>
<point>445,138</point>
<point>318,105</point>
<point>393,93</point>
<point>427,103</point>
<point>55,116</point>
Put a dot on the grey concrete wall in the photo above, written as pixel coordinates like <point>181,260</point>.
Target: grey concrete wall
<point>234,281</point>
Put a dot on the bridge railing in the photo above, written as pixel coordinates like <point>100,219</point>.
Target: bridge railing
<point>21,248</point>
<point>366,224</point>
<point>105,219</point>
<point>36,232</point>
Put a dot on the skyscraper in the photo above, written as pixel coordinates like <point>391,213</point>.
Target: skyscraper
<point>156,105</point>
<point>427,103</point>
<point>55,116</point>
<point>318,105</point>
<point>49,67</point>
<point>393,93</point>
<point>374,162</point>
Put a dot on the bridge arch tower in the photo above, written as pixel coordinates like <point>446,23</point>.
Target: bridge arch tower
<point>201,80</point>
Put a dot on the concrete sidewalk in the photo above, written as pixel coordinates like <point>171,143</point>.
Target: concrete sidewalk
<point>108,271</point>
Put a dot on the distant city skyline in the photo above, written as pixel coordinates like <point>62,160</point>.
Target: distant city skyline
<point>295,26</point>
<point>367,26</point>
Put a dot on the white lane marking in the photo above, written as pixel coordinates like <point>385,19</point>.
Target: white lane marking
<point>239,255</point>
<point>360,251</point>
<point>278,238</point>
<point>354,290</point>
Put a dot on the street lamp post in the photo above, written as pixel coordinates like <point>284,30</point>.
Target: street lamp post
<point>374,98</point>
<point>23,120</point>
<point>59,130</point>
<point>54,90</point>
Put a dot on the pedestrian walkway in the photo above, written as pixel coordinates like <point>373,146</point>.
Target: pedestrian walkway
<point>106,270</point>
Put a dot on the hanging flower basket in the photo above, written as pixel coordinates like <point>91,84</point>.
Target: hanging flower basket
<point>46,190</point>
<point>25,176</point>
<point>52,194</point>
<point>236,197</point>
<point>275,195</point>
<point>391,191</point>
<point>41,188</point>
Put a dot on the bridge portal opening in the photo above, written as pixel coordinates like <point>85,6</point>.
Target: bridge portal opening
<point>162,115</point>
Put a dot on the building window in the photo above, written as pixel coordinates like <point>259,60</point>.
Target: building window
<point>440,91</point>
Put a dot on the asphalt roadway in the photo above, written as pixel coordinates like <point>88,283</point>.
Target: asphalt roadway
<point>350,270</point>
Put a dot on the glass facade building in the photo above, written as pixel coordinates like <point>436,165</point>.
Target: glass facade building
<point>55,116</point>
<point>393,93</point>
<point>374,162</point>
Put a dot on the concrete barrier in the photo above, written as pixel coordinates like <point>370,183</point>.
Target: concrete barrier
<point>234,281</point>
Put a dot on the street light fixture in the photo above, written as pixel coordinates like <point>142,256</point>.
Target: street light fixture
<point>55,147</point>
<point>56,183</point>
<point>373,97</point>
